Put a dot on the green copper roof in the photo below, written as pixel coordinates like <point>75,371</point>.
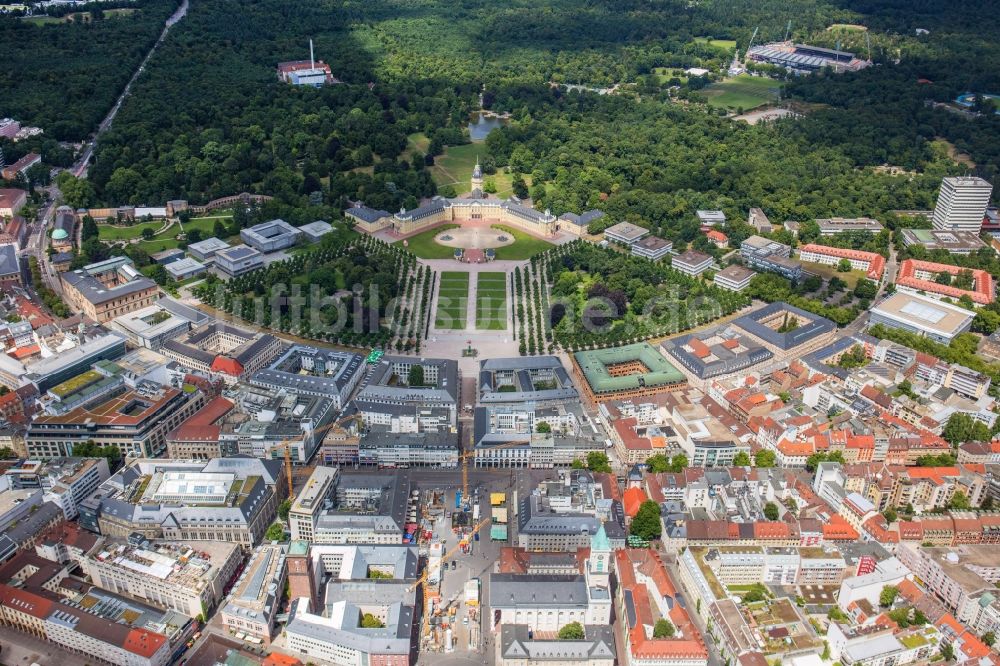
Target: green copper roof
<point>600,540</point>
<point>594,365</point>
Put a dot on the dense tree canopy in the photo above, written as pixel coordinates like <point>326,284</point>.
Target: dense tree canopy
<point>209,118</point>
<point>646,523</point>
<point>64,77</point>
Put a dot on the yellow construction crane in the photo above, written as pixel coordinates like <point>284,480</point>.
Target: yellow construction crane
<point>480,525</point>
<point>286,447</point>
<point>463,459</point>
<point>422,580</point>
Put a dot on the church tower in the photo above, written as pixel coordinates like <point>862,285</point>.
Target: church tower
<point>599,564</point>
<point>477,180</point>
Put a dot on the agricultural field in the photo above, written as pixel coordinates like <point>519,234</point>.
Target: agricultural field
<point>744,91</point>
<point>453,300</point>
<point>491,301</point>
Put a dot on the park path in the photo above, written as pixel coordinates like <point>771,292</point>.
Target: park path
<point>470,314</point>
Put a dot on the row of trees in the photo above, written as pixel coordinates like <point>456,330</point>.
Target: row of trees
<point>410,317</point>
<point>531,308</point>
<point>340,292</point>
<point>602,297</point>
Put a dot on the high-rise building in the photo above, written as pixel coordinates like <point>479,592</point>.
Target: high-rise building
<point>962,203</point>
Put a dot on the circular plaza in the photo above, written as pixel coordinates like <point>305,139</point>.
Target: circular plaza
<point>474,237</point>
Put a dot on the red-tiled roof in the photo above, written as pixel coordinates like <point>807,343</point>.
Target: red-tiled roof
<point>910,591</point>
<point>982,292</point>
<point>202,424</point>
<point>860,441</point>
<point>70,534</point>
<point>626,431</point>
<point>910,530</point>
<point>699,348</point>
<point>878,528</point>
<point>688,642</point>
<point>25,602</point>
<point>32,313</point>
<point>795,448</point>
<point>278,659</point>
<point>227,365</point>
<point>771,530</point>
<point>876,262</point>
<point>25,352</point>
<point>143,643</point>
<point>633,499</point>
<point>838,529</point>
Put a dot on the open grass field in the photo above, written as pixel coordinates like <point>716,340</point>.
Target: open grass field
<point>167,239</point>
<point>416,143</point>
<point>453,300</point>
<point>455,166</point>
<point>491,301</point>
<point>744,91</point>
<point>43,20</point>
<point>111,232</point>
<point>423,245</point>
<point>826,272</point>
<point>78,17</point>
<point>727,44</point>
<point>847,27</point>
<point>525,247</point>
<point>664,74</point>
<point>85,17</point>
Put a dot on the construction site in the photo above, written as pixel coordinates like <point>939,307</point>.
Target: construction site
<point>459,533</point>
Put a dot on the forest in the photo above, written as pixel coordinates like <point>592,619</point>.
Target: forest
<point>65,76</point>
<point>208,117</point>
<point>656,164</point>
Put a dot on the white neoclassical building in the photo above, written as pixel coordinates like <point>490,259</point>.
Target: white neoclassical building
<point>548,602</point>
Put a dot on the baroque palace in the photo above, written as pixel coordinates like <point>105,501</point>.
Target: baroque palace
<point>477,206</point>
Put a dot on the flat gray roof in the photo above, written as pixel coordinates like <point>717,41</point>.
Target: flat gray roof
<point>538,591</point>
<point>212,244</point>
<point>626,230</point>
